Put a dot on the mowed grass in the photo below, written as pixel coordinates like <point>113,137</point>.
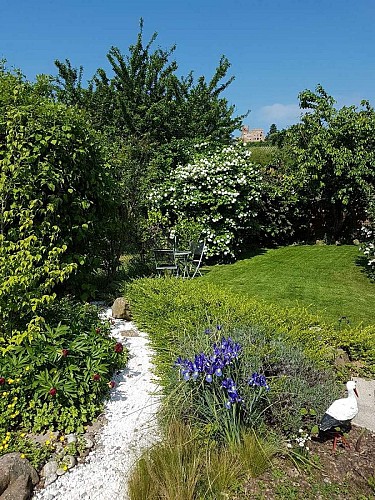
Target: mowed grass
<point>329,280</point>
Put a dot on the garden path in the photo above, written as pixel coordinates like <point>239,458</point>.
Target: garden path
<point>130,426</point>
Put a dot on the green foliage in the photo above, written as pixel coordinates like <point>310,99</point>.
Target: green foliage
<point>220,190</point>
<point>265,156</point>
<point>58,377</point>
<point>331,155</point>
<point>168,308</point>
<point>19,442</point>
<point>54,185</point>
<point>183,468</point>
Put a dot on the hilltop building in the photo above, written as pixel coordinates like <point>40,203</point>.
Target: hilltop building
<point>253,135</point>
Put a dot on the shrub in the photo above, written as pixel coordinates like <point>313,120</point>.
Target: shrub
<point>169,308</point>
<point>58,377</point>
<point>57,196</point>
<point>220,190</point>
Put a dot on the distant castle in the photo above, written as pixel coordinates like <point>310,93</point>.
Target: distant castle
<point>254,135</point>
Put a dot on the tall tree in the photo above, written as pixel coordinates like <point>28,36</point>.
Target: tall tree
<point>145,97</point>
<point>332,157</point>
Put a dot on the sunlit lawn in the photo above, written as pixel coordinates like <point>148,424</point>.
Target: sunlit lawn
<point>327,279</point>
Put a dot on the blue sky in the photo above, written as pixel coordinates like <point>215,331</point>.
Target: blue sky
<point>276,47</point>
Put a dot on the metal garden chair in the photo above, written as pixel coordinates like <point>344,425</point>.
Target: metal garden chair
<point>197,253</point>
<point>165,261</point>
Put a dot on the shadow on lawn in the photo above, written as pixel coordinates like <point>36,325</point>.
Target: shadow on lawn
<point>251,252</point>
<point>361,262</point>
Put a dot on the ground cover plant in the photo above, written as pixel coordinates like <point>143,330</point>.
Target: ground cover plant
<point>328,280</point>
<point>164,306</point>
<point>222,380</point>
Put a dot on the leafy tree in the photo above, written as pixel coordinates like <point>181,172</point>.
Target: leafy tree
<point>146,99</point>
<point>150,116</point>
<point>56,198</point>
<point>272,130</point>
<point>332,156</point>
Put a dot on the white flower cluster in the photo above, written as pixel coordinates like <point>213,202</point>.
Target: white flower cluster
<point>220,189</point>
<point>368,248</point>
<point>301,440</point>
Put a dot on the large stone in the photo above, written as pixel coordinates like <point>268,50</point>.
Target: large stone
<point>121,309</point>
<point>49,468</point>
<point>17,477</point>
<point>366,404</point>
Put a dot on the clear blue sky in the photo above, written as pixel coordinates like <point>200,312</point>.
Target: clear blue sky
<point>276,47</point>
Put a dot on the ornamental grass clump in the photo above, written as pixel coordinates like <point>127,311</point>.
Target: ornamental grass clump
<point>217,391</point>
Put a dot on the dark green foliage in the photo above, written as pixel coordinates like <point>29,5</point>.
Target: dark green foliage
<point>146,100</point>
<point>331,155</point>
<point>58,377</point>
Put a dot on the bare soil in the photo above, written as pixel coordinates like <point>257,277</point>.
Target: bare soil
<point>346,473</point>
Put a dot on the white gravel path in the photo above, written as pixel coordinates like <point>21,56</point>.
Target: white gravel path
<point>131,426</point>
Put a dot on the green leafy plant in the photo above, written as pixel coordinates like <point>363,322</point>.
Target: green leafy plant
<point>59,377</point>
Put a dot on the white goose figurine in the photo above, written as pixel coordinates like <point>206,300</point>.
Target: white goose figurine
<point>341,412</point>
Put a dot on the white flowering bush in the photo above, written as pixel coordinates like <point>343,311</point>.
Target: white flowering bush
<point>368,248</point>
<point>368,238</point>
<point>219,189</point>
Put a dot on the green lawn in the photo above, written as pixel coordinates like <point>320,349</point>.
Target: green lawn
<point>328,279</point>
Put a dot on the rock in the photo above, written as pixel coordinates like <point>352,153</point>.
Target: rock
<point>89,443</point>
<point>42,438</point>
<point>71,438</point>
<point>17,477</point>
<point>49,468</point>
<point>356,242</point>
<point>60,471</point>
<point>121,309</point>
<point>129,333</point>
<point>70,461</point>
<point>50,479</point>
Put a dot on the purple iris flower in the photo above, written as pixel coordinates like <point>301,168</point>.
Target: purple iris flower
<point>223,354</point>
<point>232,392</point>
<point>258,380</point>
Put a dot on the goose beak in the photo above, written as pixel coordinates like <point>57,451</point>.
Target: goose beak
<point>355,392</point>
